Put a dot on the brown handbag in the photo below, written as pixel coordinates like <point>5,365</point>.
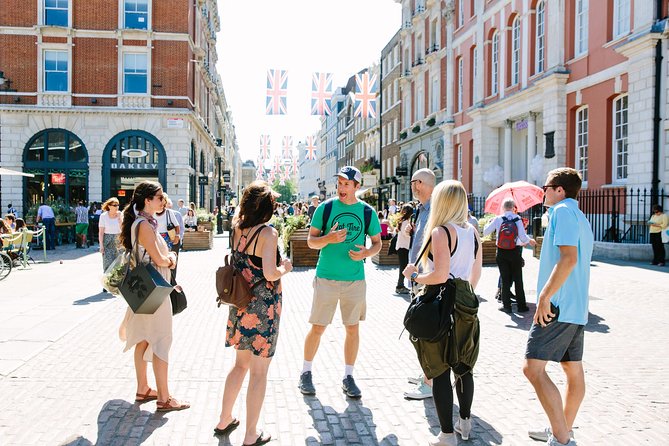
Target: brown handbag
<point>231,287</point>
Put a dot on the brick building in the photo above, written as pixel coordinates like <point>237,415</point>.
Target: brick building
<point>97,95</point>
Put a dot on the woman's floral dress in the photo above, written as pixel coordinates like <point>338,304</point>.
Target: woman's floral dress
<point>256,327</point>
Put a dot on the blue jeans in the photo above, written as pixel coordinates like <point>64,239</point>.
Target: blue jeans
<point>50,232</point>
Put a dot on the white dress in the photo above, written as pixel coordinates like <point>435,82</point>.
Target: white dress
<point>154,328</point>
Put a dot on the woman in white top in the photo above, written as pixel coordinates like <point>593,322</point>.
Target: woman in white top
<point>461,259</point>
<point>402,245</point>
<point>108,232</point>
<point>150,334</point>
<point>190,220</point>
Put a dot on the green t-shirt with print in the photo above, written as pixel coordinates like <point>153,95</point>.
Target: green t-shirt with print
<point>334,262</point>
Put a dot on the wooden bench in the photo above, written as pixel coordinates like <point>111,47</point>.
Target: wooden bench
<point>382,258</point>
<point>536,251</point>
<point>300,253</point>
<point>197,240</point>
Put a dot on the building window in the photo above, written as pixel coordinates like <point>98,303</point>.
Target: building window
<point>581,25</point>
<point>540,38</point>
<point>582,142</point>
<point>407,111</point>
<point>494,78</point>
<point>135,73</point>
<point>136,14</point>
<point>621,17</point>
<point>461,13</point>
<point>474,75</point>
<point>420,102</point>
<point>460,82</point>
<point>56,12</point>
<point>515,51</point>
<point>435,94</point>
<point>460,162</point>
<point>55,71</point>
<point>620,138</point>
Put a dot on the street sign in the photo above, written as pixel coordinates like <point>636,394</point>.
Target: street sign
<point>203,180</point>
<point>226,176</point>
<point>401,171</point>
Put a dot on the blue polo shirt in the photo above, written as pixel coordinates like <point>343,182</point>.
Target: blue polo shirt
<point>567,226</point>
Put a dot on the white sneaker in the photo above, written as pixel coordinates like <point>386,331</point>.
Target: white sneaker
<point>542,435</point>
<point>552,441</point>
<point>415,380</point>
<point>421,392</point>
<point>444,440</point>
<point>463,427</point>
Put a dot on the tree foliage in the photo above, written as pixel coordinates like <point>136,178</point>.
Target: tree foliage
<point>286,191</point>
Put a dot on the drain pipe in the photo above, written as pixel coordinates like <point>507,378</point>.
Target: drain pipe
<point>657,118</point>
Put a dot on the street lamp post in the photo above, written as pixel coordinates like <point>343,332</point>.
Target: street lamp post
<point>219,216</point>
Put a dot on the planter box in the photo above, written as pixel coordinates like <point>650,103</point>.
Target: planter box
<point>197,240</point>
<point>206,225</point>
<point>536,251</point>
<point>489,250</point>
<point>382,258</point>
<point>300,253</point>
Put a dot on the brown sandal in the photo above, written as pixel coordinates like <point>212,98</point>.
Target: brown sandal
<point>167,406</point>
<point>145,398</point>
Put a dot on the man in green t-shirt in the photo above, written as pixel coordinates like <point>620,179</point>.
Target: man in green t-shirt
<point>340,273</point>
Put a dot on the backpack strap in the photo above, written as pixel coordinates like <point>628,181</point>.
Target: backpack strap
<point>368,216</point>
<point>327,210</point>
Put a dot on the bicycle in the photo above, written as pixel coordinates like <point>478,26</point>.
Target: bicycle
<point>6,264</point>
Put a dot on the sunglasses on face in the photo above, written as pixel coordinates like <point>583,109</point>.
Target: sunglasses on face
<point>415,181</point>
<point>547,186</point>
<point>114,205</point>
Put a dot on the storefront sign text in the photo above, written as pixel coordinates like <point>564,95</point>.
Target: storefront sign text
<point>134,166</point>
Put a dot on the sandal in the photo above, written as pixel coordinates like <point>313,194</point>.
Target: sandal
<point>167,406</point>
<point>145,398</point>
<point>227,429</point>
<point>262,439</point>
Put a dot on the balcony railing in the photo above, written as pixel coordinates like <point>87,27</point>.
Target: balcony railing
<point>432,49</point>
<point>419,10</point>
<point>417,62</point>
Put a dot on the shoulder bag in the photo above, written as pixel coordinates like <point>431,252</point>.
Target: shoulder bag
<point>231,287</point>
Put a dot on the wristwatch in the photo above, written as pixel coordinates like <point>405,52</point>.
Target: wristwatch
<point>414,275</point>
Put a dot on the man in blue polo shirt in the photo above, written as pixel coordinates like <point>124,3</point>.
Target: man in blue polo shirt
<point>562,306</point>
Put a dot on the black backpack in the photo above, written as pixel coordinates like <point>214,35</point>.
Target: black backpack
<point>327,210</point>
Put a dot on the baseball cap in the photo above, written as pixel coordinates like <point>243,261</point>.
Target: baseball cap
<point>350,173</point>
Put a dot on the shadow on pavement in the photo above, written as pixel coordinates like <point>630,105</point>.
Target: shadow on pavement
<point>354,425</point>
<point>489,437</point>
<point>595,324</point>
<point>121,421</point>
<point>100,297</point>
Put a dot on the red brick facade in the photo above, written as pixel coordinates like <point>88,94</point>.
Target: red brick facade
<point>95,68</point>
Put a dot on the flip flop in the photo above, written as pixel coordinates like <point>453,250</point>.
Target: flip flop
<point>260,441</point>
<point>145,398</point>
<point>168,407</point>
<point>227,429</point>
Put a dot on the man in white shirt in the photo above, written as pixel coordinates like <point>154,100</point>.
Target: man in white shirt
<point>511,236</point>
<point>392,207</point>
<point>183,210</point>
<point>46,215</point>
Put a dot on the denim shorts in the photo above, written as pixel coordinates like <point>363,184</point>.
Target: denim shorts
<point>558,342</point>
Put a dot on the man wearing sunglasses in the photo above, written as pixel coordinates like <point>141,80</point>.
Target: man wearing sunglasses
<point>562,306</point>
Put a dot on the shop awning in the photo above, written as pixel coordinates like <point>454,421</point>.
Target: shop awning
<point>365,192</point>
<point>4,171</point>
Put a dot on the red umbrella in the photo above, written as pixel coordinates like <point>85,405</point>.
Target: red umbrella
<point>524,194</point>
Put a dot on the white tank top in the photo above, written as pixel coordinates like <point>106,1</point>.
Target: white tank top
<point>462,260</point>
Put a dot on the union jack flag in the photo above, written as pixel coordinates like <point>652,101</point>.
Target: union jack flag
<point>277,163</point>
<point>321,94</point>
<point>260,172</point>
<point>311,148</point>
<point>295,169</point>
<point>277,92</point>
<point>287,147</point>
<point>264,146</point>
<point>365,95</point>
<point>271,177</point>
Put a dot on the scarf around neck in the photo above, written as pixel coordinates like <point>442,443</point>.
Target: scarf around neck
<point>150,218</point>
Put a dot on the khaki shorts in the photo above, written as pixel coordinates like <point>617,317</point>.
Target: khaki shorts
<point>351,298</point>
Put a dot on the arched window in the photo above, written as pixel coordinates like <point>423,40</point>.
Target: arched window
<point>581,155</point>
<point>540,38</point>
<point>515,51</point>
<point>494,57</point>
<point>620,139</point>
<point>59,161</point>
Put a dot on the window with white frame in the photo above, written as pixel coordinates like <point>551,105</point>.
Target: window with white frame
<point>435,94</point>
<point>56,71</point>
<point>135,79</point>
<point>56,12</point>
<point>515,51</point>
<point>540,42</point>
<point>420,101</point>
<point>581,26</point>
<point>621,17</point>
<point>475,74</point>
<point>461,12</point>
<point>136,14</point>
<point>397,129</point>
<point>407,110</point>
<point>460,82</point>
<point>620,138</point>
<point>494,78</point>
<point>460,162</point>
<point>582,142</point>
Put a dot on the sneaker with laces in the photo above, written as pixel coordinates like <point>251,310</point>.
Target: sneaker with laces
<point>544,434</point>
<point>306,384</point>
<point>463,426</point>
<point>421,392</point>
<point>415,380</point>
<point>349,387</point>
<point>444,439</point>
<point>552,441</point>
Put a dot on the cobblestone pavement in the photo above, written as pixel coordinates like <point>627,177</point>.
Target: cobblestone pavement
<point>65,381</point>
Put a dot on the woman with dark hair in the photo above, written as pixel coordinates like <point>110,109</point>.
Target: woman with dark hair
<point>253,331</point>
<point>658,222</point>
<point>150,334</point>
<point>20,225</point>
<point>403,244</point>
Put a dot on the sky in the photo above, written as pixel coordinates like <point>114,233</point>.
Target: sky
<point>300,36</point>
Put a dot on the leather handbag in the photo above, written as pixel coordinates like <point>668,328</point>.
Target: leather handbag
<point>178,298</point>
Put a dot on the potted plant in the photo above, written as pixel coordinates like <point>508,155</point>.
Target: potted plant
<point>403,135</point>
<point>290,226</point>
<point>430,122</point>
<point>416,128</point>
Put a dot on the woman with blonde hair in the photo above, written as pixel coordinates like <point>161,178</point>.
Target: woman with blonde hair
<point>253,331</point>
<point>451,250</point>
<point>109,229</point>
<point>150,334</point>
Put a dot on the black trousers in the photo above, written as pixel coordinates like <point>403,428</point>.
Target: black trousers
<point>403,255</point>
<point>442,392</point>
<point>658,248</point>
<point>510,264</point>
<point>175,249</point>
